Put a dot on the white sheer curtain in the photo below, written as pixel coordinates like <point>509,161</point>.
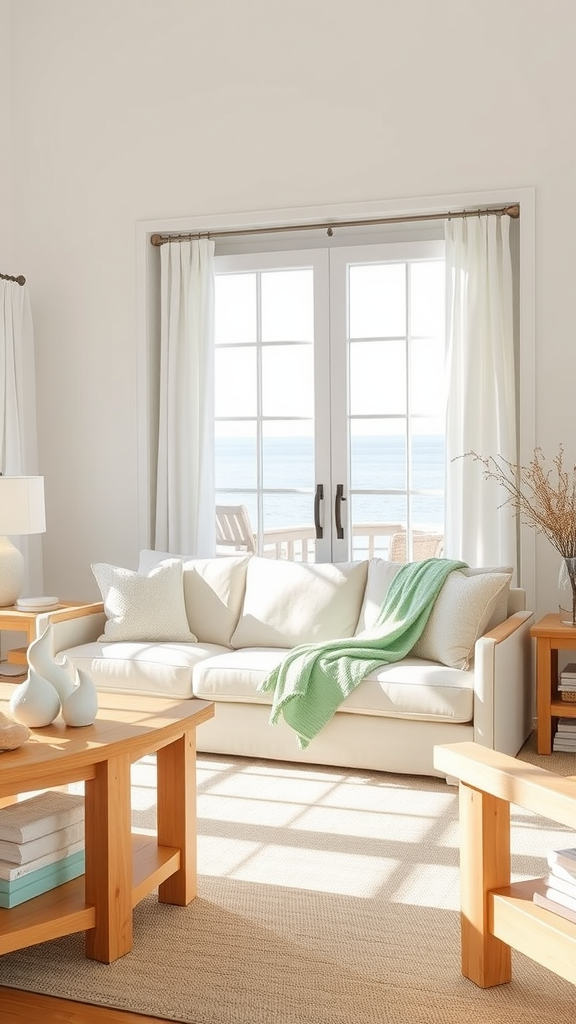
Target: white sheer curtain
<point>481,405</point>
<point>185,516</point>
<point>18,431</point>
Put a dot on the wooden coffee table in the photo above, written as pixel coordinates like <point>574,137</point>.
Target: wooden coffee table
<point>121,868</point>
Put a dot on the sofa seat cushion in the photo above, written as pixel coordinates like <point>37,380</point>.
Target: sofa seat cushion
<point>410,688</point>
<point>236,675</point>
<point>414,688</point>
<point>290,603</point>
<point>142,668</point>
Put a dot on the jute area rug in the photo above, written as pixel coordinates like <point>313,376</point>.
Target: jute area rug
<point>326,896</point>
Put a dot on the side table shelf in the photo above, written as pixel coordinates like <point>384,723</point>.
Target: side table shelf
<point>497,916</point>
<point>551,635</point>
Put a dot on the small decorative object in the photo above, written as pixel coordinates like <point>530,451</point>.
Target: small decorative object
<point>12,734</point>
<point>41,660</point>
<point>546,501</point>
<point>81,706</point>
<point>567,591</point>
<point>35,702</point>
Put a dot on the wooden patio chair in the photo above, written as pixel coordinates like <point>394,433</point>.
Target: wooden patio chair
<point>233,528</point>
<point>424,545</point>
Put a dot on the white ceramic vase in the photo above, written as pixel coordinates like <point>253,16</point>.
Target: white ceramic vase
<point>41,660</point>
<point>81,706</point>
<point>35,702</point>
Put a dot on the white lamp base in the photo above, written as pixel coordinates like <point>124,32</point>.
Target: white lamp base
<point>11,572</point>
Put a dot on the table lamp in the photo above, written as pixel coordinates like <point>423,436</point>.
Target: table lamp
<point>21,511</point>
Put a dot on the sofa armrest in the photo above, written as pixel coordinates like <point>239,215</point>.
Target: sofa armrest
<point>503,689</point>
<point>79,624</point>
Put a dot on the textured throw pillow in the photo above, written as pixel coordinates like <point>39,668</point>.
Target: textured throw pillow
<point>460,615</point>
<point>147,608</point>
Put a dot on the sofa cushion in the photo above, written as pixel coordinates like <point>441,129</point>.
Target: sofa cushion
<point>461,614</point>
<point>141,607</point>
<point>213,592</point>
<point>410,688</point>
<point>291,603</point>
<point>141,668</point>
<point>235,675</point>
<point>381,572</point>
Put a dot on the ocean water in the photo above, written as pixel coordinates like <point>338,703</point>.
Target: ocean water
<point>377,464</point>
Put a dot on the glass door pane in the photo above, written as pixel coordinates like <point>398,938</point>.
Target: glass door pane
<point>387,348</point>
<point>268,456</point>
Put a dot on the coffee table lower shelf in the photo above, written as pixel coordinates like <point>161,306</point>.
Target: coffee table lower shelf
<point>64,910</point>
<point>545,937</point>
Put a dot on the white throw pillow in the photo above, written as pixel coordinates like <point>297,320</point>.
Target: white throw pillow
<point>148,608</point>
<point>460,615</point>
<point>291,603</point>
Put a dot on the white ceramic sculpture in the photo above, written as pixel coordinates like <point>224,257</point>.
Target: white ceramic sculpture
<point>35,702</point>
<point>81,705</point>
<point>40,659</point>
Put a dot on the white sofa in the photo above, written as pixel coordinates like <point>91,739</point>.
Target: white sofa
<point>213,628</point>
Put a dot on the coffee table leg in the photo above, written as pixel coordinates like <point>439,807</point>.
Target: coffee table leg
<point>176,785</point>
<point>108,841</point>
<point>484,865</point>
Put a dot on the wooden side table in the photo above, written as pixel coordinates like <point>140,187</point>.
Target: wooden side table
<point>13,620</point>
<point>551,636</point>
<point>496,914</point>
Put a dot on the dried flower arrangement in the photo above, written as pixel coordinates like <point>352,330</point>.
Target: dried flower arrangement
<point>544,498</point>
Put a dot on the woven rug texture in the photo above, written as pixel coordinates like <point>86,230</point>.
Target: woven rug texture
<point>326,896</point>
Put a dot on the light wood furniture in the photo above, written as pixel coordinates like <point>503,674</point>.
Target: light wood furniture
<point>120,868</point>
<point>15,621</point>
<point>551,636</point>
<point>497,916</point>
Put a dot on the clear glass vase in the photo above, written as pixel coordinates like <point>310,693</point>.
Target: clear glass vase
<point>567,591</point>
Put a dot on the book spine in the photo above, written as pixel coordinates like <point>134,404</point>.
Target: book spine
<point>10,871</point>
<point>543,901</point>
<point>21,853</point>
<point>47,812</point>
<point>8,900</point>
<point>565,859</point>
<point>560,897</point>
<point>42,874</point>
<point>565,885</point>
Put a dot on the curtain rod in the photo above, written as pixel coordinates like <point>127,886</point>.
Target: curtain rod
<point>510,211</point>
<point>9,277</point>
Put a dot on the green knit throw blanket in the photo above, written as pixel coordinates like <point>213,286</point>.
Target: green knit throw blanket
<point>312,680</point>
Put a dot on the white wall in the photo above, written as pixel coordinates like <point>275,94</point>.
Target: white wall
<point>128,110</point>
<point>5,129</point>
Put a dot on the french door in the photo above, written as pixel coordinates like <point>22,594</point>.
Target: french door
<point>329,405</point>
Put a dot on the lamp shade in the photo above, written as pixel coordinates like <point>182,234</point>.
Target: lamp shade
<point>22,505</point>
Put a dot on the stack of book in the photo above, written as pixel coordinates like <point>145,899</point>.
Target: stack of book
<point>565,735</point>
<point>560,893</point>
<point>567,682</point>
<point>41,845</point>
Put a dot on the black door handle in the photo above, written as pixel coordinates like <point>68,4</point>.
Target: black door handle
<point>337,510</point>
<point>318,497</point>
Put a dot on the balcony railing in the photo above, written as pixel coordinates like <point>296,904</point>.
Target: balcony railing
<point>298,543</point>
